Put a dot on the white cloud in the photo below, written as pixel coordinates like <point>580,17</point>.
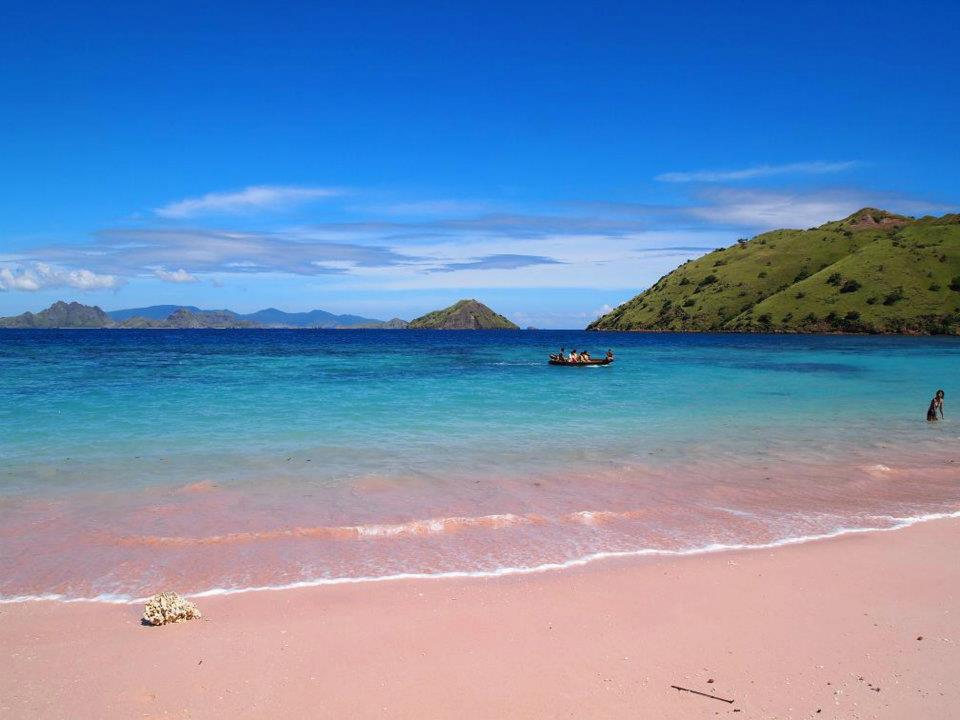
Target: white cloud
<point>758,171</point>
<point>769,210</point>
<point>39,276</point>
<point>252,199</point>
<point>504,250</point>
<point>175,276</point>
<point>18,281</point>
<point>756,208</point>
<point>135,251</point>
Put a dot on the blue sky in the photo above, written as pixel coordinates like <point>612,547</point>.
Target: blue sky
<point>550,159</point>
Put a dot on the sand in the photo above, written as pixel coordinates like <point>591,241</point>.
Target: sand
<point>828,629</point>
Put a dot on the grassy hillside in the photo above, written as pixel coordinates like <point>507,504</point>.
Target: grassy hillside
<point>871,272</point>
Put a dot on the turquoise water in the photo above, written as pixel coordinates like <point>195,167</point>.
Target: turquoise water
<point>219,459</point>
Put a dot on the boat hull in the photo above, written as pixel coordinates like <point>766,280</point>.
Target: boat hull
<point>580,364</point>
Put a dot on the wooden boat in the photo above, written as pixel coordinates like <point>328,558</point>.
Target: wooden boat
<point>602,361</point>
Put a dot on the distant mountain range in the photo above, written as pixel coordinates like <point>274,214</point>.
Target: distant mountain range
<point>76,315</point>
<point>872,272</point>
<point>154,312</point>
<point>271,317</point>
<point>464,315</point>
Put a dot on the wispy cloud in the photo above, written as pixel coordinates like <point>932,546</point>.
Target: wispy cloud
<point>256,198</point>
<point>758,171</point>
<point>770,209</point>
<point>502,261</point>
<point>175,276</point>
<point>494,225</point>
<point>430,208</point>
<point>138,251</point>
<point>677,249</point>
<point>39,276</point>
<point>492,250</point>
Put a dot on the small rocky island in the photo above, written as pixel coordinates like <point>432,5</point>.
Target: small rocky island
<point>463,315</point>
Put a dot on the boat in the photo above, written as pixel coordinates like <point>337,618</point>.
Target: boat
<point>602,361</point>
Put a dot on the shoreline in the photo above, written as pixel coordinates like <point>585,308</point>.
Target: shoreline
<point>900,523</point>
<point>831,626</point>
<point>831,333</point>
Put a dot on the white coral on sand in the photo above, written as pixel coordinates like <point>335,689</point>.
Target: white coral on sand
<point>169,607</point>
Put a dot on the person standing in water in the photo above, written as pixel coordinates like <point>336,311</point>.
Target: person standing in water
<point>935,405</point>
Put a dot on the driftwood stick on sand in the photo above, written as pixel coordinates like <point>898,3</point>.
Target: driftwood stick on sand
<point>697,692</point>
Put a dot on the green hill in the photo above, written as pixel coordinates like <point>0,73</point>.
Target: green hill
<point>464,315</point>
<point>872,272</point>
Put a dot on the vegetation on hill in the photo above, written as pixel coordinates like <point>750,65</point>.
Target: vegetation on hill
<point>463,315</point>
<point>873,272</point>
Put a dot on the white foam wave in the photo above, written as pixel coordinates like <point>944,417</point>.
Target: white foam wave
<point>738,513</point>
<point>897,523</point>
<point>108,598</point>
<point>431,526</point>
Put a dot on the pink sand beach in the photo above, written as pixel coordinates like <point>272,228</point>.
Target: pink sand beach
<point>865,625</point>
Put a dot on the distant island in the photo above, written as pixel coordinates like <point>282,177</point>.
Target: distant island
<point>463,315</point>
<point>872,272</point>
<point>159,317</point>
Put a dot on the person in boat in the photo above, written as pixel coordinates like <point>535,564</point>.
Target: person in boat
<point>584,356</point>
<point>573,356</point>
<point>609,356</point>
<point>935,405</point>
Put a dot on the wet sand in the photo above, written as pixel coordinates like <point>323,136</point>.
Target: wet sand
<point>828,629</point>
